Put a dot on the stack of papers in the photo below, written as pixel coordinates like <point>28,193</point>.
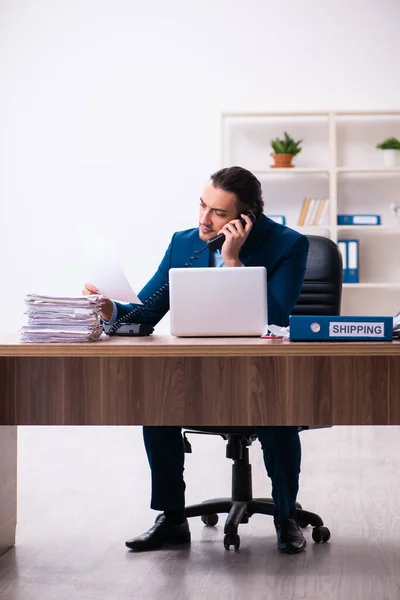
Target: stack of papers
<point>62,319</point>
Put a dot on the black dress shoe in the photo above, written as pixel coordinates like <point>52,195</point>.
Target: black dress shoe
<point>164,531</point>
<point>290,537</point>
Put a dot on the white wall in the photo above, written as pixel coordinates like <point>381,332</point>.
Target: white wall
<point>109,112</point>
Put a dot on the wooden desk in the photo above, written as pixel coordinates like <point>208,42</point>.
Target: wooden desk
<point>162,380</point>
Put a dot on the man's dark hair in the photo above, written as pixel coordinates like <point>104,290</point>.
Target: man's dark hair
<point>244,185</point>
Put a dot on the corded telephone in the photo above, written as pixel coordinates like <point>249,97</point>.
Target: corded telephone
<point>216,242</point>
<point>126,327</point>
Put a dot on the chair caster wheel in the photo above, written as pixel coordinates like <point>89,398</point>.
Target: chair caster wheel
<point>232,539</point>
<point>210,520</point>
<point>299,506</point>
<point>320,535</point>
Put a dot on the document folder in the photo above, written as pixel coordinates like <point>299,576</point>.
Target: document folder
<point>343,250</point>
<point>358,219</point>
<point>352,261</point>
<point>306,328</point>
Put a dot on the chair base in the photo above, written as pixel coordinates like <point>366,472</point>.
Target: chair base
<point>241,511</point>
<point>241,506</point>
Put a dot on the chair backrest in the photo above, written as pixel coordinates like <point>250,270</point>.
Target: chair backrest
<point>322,288</point>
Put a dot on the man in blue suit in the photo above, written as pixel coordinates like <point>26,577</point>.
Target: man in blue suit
<point>229,194</point>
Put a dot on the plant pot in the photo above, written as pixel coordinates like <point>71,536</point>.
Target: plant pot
<point>282,161</point>
<point>391,158</point>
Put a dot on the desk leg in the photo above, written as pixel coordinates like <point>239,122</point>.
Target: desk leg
<point>8,487</point>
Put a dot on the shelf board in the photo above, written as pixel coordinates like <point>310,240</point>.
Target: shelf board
<point>366,170</point>
<point>291,171</point>
<point>334,113</point>
<point>370,286</point>
<point>366,113</point>
<point>263,115</point>
<point>374,228</point>
<point>310,228</point>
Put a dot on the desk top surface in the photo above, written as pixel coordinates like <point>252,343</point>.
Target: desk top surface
<point>168,346</point>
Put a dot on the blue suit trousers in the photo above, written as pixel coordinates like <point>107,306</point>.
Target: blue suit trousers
<point>165,452</point>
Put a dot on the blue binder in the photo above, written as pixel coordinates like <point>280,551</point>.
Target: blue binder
<point>343,250</point>
<point>359,220</point>
<point>352,261</point>
<point>308,328</point>
<point>281,219</point>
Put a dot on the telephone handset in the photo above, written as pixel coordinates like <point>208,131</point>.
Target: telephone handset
<point>126,326</point>
<point>216,242</point>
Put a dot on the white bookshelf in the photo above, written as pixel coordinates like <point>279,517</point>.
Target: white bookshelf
<point>338,162</point>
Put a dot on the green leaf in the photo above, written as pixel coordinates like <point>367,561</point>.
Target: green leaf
<point>286,146</point>
<point>279,147</point>
<point>391,143</point>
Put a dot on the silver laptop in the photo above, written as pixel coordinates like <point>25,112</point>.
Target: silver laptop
<point>227,301</point>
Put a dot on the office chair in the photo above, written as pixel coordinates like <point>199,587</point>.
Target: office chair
<point>321,295</point>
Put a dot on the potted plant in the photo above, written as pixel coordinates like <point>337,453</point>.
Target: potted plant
<point>391,151</point>
<point>284,151</point>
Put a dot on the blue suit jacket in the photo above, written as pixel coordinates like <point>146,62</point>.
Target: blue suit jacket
<point>280,249</point>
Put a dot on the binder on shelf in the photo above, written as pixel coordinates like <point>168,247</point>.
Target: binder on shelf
<point>312,209</point>
<point>278,219</point>
<point>352,261</point>
<point>358,219</point>
<point>308,328</point>
<point>343,250</point>
<point>303,212</point>
<point>320,213</point>
<point>313,212</point>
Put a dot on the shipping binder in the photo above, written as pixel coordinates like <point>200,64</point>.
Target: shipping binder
<point>308,328</point>
<point>358,220</point>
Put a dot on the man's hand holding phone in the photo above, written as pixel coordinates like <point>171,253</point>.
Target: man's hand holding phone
<point>235,236</point>
<point>107,305</point>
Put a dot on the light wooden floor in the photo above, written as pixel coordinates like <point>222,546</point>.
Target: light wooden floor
<point>82,492</point>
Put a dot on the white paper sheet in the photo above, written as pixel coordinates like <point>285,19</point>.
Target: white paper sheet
<point>103,267</point>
